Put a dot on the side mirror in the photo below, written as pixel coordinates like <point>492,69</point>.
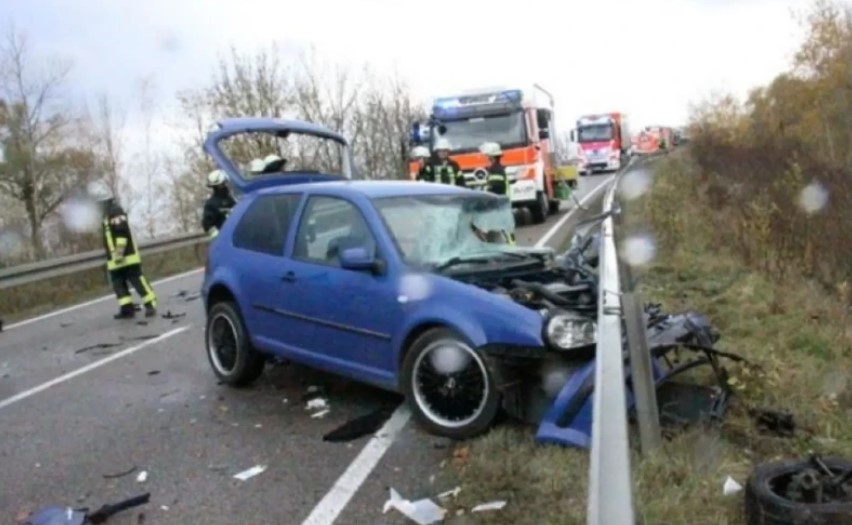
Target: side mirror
<point>543,134</point>
<point>359,259</point>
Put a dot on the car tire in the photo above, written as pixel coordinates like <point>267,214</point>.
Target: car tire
<point>481,417</point>
<point>540,208</point>
<point>555,204</point>
<point>764,506</point>
<point>246,365</point>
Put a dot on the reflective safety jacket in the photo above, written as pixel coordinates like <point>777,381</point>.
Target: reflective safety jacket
<point>426,174</point>
<point>216,210</point>
<point>449,172</point>
<point>120,247</point>
<point>497,181</point>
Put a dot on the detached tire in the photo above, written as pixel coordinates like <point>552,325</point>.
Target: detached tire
<point>233,358</point>
<point>764,506</point>
<point>459,402</point>
<point>540,208</point>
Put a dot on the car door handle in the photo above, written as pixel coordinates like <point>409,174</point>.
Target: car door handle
<point>289,277</point>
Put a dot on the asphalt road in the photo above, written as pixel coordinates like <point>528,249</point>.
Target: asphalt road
<point>84,397</point>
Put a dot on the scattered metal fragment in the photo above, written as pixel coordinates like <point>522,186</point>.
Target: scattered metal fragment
<point>321,413</point>
<point>170,315</point>
<point>492,505</point>
<point>98,346</point>
<point>250,473</point>
<point>127,472</point>
<point>193,297</point>
<point>142,477</point>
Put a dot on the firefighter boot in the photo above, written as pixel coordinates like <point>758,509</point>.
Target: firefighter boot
<point>125,312</point>
<point>150,310</point>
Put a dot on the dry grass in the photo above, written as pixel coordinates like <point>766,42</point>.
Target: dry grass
<point>36,298</point>
<point>793,329</point>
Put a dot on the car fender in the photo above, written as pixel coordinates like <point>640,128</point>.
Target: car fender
<point>482,317</point>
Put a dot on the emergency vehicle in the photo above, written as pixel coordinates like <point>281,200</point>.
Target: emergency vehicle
<point>521,120</point>
<point>604,141</point>
<point>653,139</point>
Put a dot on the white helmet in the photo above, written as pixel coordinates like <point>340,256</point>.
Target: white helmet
<point>420,152</point>
<point>216,178</point>
<point>256,166</point>
<point>100,191</point>
<point>492,149</point>
<point>442,143</point>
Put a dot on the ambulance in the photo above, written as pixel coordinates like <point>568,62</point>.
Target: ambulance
<point>521,120</point>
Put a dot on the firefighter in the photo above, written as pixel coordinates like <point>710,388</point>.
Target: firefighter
<point>219,205</point>
<point>124,262</point>
<point>421,155</point>
<point>497,181</point>
<point>447,170</point>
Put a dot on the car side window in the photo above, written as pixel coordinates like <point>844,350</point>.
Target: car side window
<point>263,227</point>
<point>329,225</point>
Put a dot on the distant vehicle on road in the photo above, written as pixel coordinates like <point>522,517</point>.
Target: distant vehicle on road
<point>407,286</point>
<point>604,141</point>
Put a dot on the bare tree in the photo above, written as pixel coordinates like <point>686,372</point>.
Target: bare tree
<point>41,162</point>
<point>148,162</point>
<point>109,144</point>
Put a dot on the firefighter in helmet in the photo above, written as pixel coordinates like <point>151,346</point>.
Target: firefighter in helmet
<point>447,171</point>
<point>218,205</point>
<point>497,180</point>
<point>425,173</point>
<point>124,262</point>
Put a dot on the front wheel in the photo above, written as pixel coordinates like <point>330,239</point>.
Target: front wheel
<point>449,386</point>
<point>229,350</point>
<point>540,208</point>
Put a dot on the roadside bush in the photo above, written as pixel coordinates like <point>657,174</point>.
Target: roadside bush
<point>774,174</point>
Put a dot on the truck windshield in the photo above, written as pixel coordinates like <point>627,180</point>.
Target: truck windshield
<point>467,135</point>
<point>595,133</point>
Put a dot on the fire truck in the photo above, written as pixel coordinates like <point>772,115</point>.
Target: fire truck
<point>604,141</point>
<point>521,120</point>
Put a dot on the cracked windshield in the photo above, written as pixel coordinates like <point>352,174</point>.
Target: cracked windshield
<point>430,230</point>
<point>261,263</point>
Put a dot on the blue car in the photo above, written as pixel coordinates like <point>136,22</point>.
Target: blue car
<point>407,286</point>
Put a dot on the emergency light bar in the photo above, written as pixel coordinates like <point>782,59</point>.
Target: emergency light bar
<point>479,104</point>
<point>592,120</point>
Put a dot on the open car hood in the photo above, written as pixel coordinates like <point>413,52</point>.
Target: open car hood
<point>229,127</point>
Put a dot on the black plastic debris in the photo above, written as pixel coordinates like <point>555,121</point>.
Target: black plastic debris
<point>170,315</point>
<point>360,426</point>
<point>142,323</point>
<point>193,297</point>
<point>774,422</point>
<point>97,346</point>
<point>65,325</point>
<point>1,325</point>
<point>153,372</point>
<point>121,474</point>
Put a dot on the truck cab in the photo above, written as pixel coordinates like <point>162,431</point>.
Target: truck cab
<point>604,140</point>
<point>521,121</point>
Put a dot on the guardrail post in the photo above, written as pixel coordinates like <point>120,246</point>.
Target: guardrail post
<point>644,389</point>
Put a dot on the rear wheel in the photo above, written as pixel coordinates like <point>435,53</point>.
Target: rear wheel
<point>540,208</point>
<point>449,385</point>
<point>229,350</point>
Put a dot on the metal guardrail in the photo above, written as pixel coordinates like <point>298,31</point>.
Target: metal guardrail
<point>28,273</point>
<point>610,485</point>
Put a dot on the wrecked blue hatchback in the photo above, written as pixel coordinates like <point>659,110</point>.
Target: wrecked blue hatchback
<point>407,286</point>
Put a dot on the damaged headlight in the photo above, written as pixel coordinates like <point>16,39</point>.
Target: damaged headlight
<point>567,330</point>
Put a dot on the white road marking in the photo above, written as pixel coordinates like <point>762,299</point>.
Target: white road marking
<point>330,507</point>
<point>561,222</point>
<point>88,368</point>
<point>93,301</point>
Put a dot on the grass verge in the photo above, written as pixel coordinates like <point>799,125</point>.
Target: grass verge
<point>28,300</point>
<point>793,329</point>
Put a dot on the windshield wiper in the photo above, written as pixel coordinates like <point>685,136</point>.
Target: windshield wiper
<point>455,261</point>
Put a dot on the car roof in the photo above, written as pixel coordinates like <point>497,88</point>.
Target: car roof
<point>372,188</point>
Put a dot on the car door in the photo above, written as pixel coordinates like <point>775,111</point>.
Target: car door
<point>259,240</point>
<point>344,318</point>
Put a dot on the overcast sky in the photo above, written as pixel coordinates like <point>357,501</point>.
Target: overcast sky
<point>649,58</point>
